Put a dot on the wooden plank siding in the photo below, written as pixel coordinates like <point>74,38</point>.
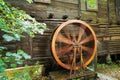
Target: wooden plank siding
<point>39,47</point>
<point>110,39</point>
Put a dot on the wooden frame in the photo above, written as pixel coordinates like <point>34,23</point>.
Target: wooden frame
<point>43,1</point>
<point>118,11</point>
<point>92,5</point>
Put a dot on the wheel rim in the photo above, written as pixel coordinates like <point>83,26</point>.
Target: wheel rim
<point>74,44</point>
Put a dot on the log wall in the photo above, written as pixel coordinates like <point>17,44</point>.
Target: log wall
<point>106,28</point>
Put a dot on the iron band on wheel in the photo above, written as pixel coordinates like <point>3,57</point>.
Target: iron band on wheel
<point>74,44</point>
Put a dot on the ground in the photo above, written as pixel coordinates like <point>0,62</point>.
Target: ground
<point>112,70</point>
<point>104,71</point>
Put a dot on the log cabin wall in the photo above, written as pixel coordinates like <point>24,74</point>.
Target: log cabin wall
<point>104,24</point>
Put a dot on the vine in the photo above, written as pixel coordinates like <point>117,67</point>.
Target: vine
<point>13,24</point>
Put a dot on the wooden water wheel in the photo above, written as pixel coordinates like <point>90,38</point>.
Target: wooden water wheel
<point>74,44</point>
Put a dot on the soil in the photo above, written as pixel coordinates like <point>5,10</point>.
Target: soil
<point>112,71</point>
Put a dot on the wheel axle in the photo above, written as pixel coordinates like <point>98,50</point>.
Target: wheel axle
<point>77,45</point>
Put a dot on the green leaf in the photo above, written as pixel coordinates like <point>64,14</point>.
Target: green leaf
<point>6,59</point>
<point>2,69</point>
<point>2,48</point>
<point>13,65</point>
<point>8,38</point>
<point>26,56</point>
<point>19,61</point>
<point>13,57</point>
<point>17,56</point>
<point>2,66</point>
<point>2,23</point>
<point>30,1</point>
<point>8,53</point>
<point>17,36</point>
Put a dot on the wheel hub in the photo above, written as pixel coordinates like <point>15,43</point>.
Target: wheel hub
<point>77,45</point>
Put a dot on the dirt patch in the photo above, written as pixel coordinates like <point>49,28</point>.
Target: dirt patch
<point>112,70</point>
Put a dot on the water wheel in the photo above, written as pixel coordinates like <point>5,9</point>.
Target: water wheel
<point>74,44</point>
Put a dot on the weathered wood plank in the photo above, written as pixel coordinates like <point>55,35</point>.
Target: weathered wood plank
<point>43,1</point>
<point>69,1</point>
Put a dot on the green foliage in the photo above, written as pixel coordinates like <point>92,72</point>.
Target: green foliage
<point>12,59</point>
<point>104,66</point>
<point>3,66</point>
<point>28,73</point>
<point>13,24</point>
<point>30,1</point>
<point>14,37</point>
<point>3,76</point>
<point>2,48</point>
<point>93,2</point>
<point>24,75</point>
<point>101,65</point>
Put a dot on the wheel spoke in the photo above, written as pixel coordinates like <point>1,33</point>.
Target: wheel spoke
<point>81,32</point>
<point>64,50</point>
<point>75,53</point>
<point>89,50</point>
<point>69,59</point>
<point>87,39</point>
<point>73,36</point>
<point>74,58</point>
<point>81,56</point>
<point>79,50</point>
<point>61,38</point>
<point>67,33</point>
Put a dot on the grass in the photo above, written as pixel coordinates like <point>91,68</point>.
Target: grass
<point>112,65</point>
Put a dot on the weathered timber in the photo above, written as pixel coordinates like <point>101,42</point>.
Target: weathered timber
<point>64,75</point>
<point>52,13</point>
